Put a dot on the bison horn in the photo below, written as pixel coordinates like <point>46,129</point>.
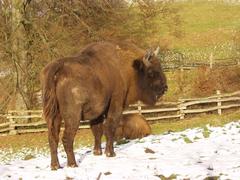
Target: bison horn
<point>156,51</point>
<point>147,57</point>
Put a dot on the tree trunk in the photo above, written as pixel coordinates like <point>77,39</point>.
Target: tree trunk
<point>18,54</point>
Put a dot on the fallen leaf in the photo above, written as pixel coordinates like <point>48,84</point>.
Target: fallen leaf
<point>147,150</point>
<point>107,173</point>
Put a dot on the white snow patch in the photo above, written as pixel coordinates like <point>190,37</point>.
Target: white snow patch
<point>217,155</point>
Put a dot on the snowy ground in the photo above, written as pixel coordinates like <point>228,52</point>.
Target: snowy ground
<point>191,154</point>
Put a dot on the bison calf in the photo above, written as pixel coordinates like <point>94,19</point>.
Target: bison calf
<point>132,126</point>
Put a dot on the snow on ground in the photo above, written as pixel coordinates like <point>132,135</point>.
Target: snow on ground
<point>191,154</point>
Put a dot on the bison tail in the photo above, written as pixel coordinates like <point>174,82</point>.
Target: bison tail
<point>50,102</point>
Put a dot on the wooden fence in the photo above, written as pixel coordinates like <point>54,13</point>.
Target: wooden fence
<point>18,122</point>
<point>212,63</point>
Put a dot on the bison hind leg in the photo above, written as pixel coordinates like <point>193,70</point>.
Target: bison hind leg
<point>97,130</point>
<point>53,139</point>
<point>71,123</point>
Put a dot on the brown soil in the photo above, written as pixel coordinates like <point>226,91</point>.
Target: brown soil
<point>202,82</point>
<point>40,140</point>
<point>225,79</point>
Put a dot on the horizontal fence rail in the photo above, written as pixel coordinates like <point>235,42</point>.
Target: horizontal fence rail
<point>212,63</point>
<point>30,121</point>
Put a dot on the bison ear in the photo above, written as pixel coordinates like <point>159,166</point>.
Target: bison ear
<point>138,65</point>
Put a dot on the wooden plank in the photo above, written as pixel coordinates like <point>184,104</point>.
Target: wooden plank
<point>216,63</point>
<point>3,115</point>
<point>159,110</point>
<point>24,116</point>
<point>5,129</point>
<point>211,97</point>
<point>84,127</point>
<point>21,131</point>
<point>157,104</point>
<point>162,117</point>
<point>131,112</point>
<point>190,111</point>
<point>204,101</point>
<point>226,94</point>
<point>85,121</point>
<point>219,103</point>
<point>5,124</point>
<point>25,111</point>
<point>230,106</point>
<point>39,123</point>
<point>151,110</point>
<point>225,99</point>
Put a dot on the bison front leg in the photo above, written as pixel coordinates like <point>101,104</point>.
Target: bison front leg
<point>109,133</point>
<point>113,118</point>
<point>110,126</point>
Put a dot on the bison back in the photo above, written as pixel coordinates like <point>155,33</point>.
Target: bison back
<point>133,126</point>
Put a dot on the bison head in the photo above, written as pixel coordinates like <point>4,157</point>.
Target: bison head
<point>151,78</point>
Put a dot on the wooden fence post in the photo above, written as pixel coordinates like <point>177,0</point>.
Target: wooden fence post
<point>181,109</point>
<point>219,103</point>
<point>211,61</point>
<point>12,130</point>
<point>139,107</point>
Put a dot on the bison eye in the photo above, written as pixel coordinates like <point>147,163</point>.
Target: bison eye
<point>156,74</point>
<point>153,74</point>
<point>150,74</point>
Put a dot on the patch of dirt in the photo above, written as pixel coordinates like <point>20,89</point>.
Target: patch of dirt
<point>211,178</point>
<point>28,157</point>
<point>107,173</point>
<point>171,177</point>
<point>147,150</point>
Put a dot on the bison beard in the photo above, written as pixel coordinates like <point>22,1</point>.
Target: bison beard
<point>99,82</point>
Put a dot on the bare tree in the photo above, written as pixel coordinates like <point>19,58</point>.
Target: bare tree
<point>36,32</point>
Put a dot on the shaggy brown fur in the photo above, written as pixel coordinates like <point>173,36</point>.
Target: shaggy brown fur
<point>132,126</point>
<point>97,83</point>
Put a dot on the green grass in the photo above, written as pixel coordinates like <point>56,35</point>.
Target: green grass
<point>202,16</point>
<point>206,132</point>
<point>207,26</point>
<point>171,177</point>
<point>40,141</point>
<point>186,139</point>
<point>200,121</point>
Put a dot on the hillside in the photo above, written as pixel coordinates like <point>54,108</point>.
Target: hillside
<point>207,27</point>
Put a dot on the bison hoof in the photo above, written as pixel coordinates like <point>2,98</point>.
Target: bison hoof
<point>110,154</point>
<point>72,165</point>
<point>55,167</point>
<point>97,152</point>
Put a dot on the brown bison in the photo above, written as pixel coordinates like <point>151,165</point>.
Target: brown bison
<point>99,82</point>
<point>132,126</point>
